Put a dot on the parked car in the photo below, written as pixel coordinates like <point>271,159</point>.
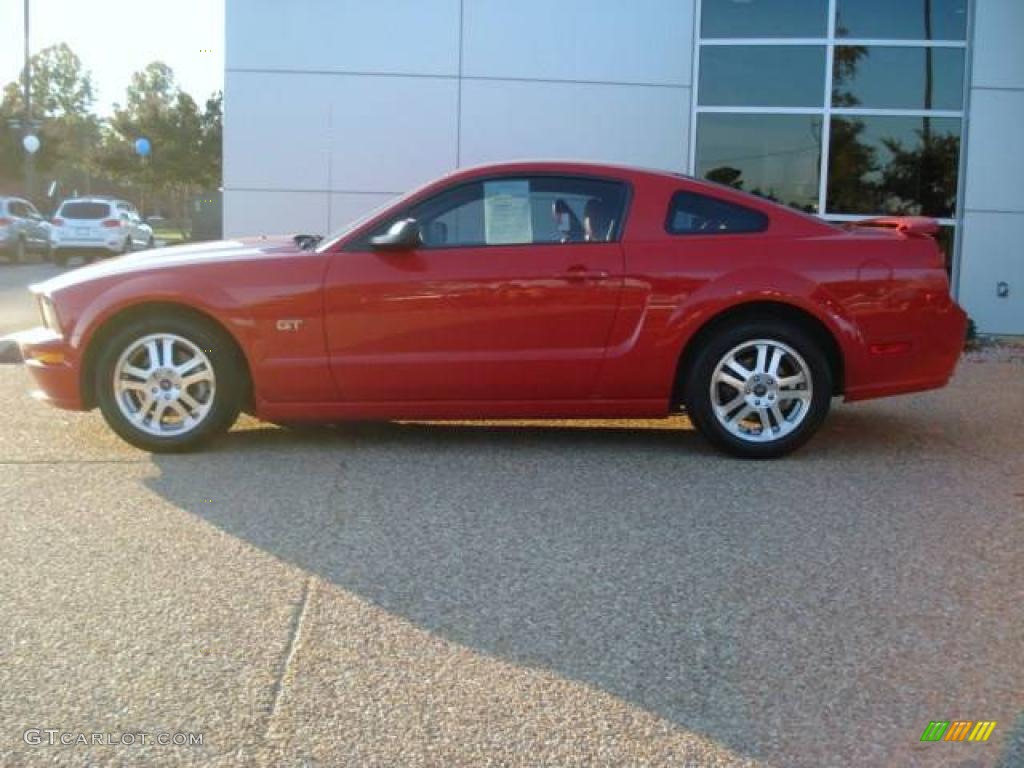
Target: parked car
<point>522,290</point>
<point>22,230</point>
<point>98,226</point>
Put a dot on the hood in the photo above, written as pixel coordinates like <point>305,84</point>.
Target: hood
<point>173,257</point>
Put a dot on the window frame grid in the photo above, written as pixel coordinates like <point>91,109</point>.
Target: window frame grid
<point>830,41</point>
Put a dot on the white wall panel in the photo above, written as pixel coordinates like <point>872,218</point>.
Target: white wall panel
<point>277,135</point>
<point>273,213</point>
<point>275,131</point>
<point>995,155</point>
<point>998,52</point>
<point>347,207</point>
<point>390,133</point>
<point>640,41</point>
<point>640,125</point>
<point>398,36</point>
<point>992,254</point>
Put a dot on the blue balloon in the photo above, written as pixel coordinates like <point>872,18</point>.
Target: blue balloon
<point>142,146</point>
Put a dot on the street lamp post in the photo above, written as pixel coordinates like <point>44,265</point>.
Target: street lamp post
<point>30,169</point>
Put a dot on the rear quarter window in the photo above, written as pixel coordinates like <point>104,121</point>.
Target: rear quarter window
<point>85,210</point>
<point>690,213</point>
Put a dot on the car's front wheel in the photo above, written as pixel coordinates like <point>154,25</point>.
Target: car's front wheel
<point>759,389</point>
<point>169,384</point>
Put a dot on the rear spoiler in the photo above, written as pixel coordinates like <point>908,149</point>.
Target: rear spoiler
<point>911,226</point>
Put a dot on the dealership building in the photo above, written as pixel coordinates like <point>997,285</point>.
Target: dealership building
<point>847,109</point>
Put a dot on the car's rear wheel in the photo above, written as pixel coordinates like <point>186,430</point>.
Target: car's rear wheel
<point>169,384</point>
<point>759,389</point>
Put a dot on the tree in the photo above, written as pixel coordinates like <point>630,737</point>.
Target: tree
<point>185,142</point>
<point>922,179</point>
<point>62,99</point>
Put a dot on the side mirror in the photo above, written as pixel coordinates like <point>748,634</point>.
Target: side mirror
<point>404,235</point>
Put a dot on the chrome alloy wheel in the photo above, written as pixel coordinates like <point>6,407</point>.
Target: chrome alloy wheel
<point>761,390</point>
<point>164,384</point>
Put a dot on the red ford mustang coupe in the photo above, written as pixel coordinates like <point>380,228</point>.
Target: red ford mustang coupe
<point>522,290</point>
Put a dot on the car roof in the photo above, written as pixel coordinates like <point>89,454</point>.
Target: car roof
<point>547,165</point>
<point>628,173</point>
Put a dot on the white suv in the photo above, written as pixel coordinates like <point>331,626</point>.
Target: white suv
<point>98,226</point>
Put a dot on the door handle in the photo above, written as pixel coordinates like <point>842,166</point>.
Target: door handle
<point>578,273</point>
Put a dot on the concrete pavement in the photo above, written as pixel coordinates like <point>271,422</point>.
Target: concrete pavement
<point>412,594</point>
<point>18,311</point>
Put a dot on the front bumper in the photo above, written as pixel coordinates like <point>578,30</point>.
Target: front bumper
<point>53,366</point>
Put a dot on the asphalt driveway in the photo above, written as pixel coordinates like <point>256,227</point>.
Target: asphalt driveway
<point>407,594</point>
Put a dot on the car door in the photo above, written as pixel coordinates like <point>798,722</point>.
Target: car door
<point>503,300</point>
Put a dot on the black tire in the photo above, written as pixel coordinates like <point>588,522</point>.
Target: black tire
<point>150,244</point>
<point>228,371</point>
<point>59,257</point>
<point>698,388</point>
<point>127,245</point>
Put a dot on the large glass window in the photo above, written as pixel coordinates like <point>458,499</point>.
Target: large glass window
<point>762,75</point>
<point>848,117</point>
<point>763,18</point>
<point>897,165</point>
<point>902,19</point>
<point>889,77</point>
<point>775,156</point>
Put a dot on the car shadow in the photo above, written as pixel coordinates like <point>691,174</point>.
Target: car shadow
<point>701,588</point>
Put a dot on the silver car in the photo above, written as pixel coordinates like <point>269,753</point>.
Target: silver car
<point>98,226</point>
<point>22,229</point>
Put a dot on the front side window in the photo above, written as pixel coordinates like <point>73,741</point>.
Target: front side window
<point>521,211</point>
<point>694,214</point>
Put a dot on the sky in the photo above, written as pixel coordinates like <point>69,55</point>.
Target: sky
<point>115,38</point>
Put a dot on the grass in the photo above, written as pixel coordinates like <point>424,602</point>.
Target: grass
<point>169,236</point>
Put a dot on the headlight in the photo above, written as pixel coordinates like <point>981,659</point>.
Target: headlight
<point>50,318</point>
